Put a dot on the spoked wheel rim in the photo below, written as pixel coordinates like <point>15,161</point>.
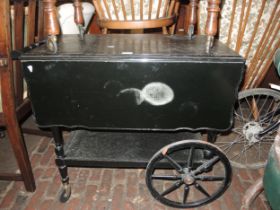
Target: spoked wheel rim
<point>185,185</point>
<point>242,145</point>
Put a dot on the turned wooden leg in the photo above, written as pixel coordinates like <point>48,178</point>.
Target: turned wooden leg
<point>78,17</point>
<point>13,129</point>
<point>193,17</point>
<point>51,24</point>
<point>60,162</point>
<point>8,102</point>
<point>212,22</point>
<point>176,11</point>
<point>211,136</point>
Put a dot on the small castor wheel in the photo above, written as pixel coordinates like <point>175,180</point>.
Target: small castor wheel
<point>65,193</point>
<point>188,174</point>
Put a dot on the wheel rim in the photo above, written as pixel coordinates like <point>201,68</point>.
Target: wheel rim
<point>187,184</point>
<point>241,145</point>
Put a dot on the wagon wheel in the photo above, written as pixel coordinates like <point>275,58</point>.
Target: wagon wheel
<point>256,109</point>
<point>190,181</point>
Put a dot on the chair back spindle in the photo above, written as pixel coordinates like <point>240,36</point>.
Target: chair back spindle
<point>136,14</point>
<point>251,28</point>
<point>51,24</point>
<point>78,13</point>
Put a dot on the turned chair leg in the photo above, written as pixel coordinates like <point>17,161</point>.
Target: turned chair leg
<point>51,24</point>
<point>13,130</point>
<point>213,10</point>
<point>21,155</point>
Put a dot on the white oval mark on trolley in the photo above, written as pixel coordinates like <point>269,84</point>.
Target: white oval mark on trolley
<point>154,93</point>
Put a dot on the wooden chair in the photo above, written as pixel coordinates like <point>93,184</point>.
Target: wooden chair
<point>52,26</point>
<point>137,14</point>
<point>251,28</point>
<point>17,31</point>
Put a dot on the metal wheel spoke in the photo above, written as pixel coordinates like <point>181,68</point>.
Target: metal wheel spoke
<point>226,147</point>
<point>241,112</point>
<point>255,110</point>
<point>250,108</point>
<point>186,193</point>
<point>267,140</point>
<point>259,148</point>
<point>174,187</point>
<point>237,141</point>
<point>274,112</point>
<point>273,108</point>
<point>268,117</point>
<point>238,130</point>
<point>174,163</point>
<point>166,177</point>
<point>190,162</point>
<point>241,118</point>
<point>233,142</point>
<point>201,189</point>
<point>243,151</point>
<point>268,113</point>
<point>210,178</point>
<point>206,165</point>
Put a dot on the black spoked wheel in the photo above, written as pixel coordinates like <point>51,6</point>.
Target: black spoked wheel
<point>188,173</point>
<point>256,111</point>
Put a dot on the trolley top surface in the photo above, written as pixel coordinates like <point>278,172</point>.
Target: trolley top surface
<point>142,47</point>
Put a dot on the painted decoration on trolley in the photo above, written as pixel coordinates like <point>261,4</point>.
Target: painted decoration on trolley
<point>154,93</point>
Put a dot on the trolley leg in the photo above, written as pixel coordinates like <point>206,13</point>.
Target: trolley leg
<point>211,136</point>
<point>62,167</point>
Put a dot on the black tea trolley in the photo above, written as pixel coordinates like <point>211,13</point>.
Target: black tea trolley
<point>129,100</point>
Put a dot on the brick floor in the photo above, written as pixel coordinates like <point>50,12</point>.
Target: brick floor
<point>106,189</point>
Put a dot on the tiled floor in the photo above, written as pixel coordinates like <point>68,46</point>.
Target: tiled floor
<point>103,189</point>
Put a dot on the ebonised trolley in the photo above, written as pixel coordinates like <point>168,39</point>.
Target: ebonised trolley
<point>141,86</point>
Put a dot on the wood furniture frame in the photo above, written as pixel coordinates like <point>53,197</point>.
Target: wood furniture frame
<point>270,41</point>
<point>106,20</point>
<point>52,25</point>
<point>14,106</point>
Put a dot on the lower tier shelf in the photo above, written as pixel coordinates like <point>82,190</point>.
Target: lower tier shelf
<point>120,149</point>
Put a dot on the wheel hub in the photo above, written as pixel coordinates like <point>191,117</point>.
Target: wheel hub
<point>250,130</point>
<point>188,179</point>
